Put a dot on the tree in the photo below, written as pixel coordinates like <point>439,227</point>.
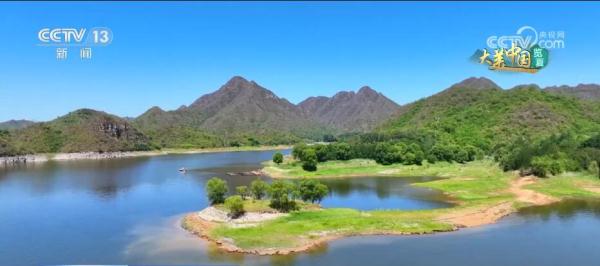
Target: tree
<point>282,195</point>
<point>309,162</point>
<point>216,189</point>
<point>312,190</point>
<point>298,151</point>
<point>258,188</point>
<point>235,205</point>
<point>242,191</point>
<point>329,138</point>
<point>278,158</point>
<point>342,151</point>
<point>543,165</point>
<point>594,168</point>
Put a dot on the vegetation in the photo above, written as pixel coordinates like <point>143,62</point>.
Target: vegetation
<point>235,205</point>
<point>278,158</point>
<point>216,189</point>
<point>474,184</point>
<point>312,190</point>
<point>258,188</point>
<point>283,196</point>
<point>242,191</point>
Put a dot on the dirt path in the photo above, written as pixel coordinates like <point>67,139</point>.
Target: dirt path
<point>527,195</point>
<point>476,216</point>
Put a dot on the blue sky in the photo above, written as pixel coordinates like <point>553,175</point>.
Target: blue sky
<point>168,53</point>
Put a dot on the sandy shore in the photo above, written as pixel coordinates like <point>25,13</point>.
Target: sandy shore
<point>40,158</point>
<point>200,224</point>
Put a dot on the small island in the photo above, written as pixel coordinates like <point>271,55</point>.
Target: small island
<point>482,192</point>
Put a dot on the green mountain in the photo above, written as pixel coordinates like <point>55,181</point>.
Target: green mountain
<point>478,112</point>
<point>241,112</point>
<point>80,130</point>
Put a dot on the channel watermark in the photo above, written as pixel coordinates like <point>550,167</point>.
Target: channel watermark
<point>528,37</point>
<point>82,39</point>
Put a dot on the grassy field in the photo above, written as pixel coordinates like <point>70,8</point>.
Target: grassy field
<point>304,226</point>
<point>474,186</point>
<point>569,185</point>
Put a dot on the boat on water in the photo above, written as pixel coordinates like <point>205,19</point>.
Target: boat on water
<point>182,170</point>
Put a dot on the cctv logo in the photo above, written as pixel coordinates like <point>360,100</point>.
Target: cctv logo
<point>61,35</point>
<point>73,36</point>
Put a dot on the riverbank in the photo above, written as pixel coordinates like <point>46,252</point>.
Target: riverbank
<point>41,158</point>
<point>483,193</point>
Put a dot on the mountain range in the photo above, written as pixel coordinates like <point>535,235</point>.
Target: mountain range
<point>240,112</point>
<point>478,112</point>
<point>474,111</point>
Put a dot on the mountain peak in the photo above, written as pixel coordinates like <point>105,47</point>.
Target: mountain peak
<point>367,91</point>
<point>238,82</point>
<point>476,83</point>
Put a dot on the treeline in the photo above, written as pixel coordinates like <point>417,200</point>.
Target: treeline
<point>541,156</point>
<point>282,194</point>
<point>552,155</point>
<point>384,150</point>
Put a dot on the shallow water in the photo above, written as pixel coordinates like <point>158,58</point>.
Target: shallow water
<point>126,211</point>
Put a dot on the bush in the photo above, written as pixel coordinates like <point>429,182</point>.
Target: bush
<point>312,190</point>
<point>258,188</point>
<point>235,205</point>
<point>283,196</point>
<point>278,158</point>
<point>242,191</point>
<point>309,162</point>
<point>543,165</point>
<point>216,189</point>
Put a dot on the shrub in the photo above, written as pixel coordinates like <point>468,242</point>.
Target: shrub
<point>278,158</point>
<point>309,162</point>
<point>216,189</point>
<point>543,165</point>
<point>258,188</point>
<point>242,191</point>
<point>312,190</point>
<point>235,205</point>
<point>282,196</point>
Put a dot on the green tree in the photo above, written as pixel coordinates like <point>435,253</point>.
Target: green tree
<point>282,196</point>
<point>242,191</point>
<point>258,188</point>
<point>278,158</point>
<point>309,162</point>
<point>216,189</point>
<point>543,165</point>
<point>312,190</point>
<point>594,168</point>
<point>235,205</point>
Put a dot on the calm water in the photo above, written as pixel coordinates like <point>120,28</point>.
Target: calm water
<point>126,211</point>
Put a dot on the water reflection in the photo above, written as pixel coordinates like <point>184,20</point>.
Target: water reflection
<point>368,193</point>
<point>126,212</point>
<point>564,210</point>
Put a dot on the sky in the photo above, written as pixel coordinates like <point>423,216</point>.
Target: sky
<point>167,54</point>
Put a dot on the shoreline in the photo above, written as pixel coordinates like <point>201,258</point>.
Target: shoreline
<point>457,217</point>
<point>8,161</point>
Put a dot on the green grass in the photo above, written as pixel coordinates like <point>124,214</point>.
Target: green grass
<point>568,185</point>
<point>300,227</point>
<point>472,184</point>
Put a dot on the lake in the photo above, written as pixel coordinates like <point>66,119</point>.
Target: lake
<point>127,211</point>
